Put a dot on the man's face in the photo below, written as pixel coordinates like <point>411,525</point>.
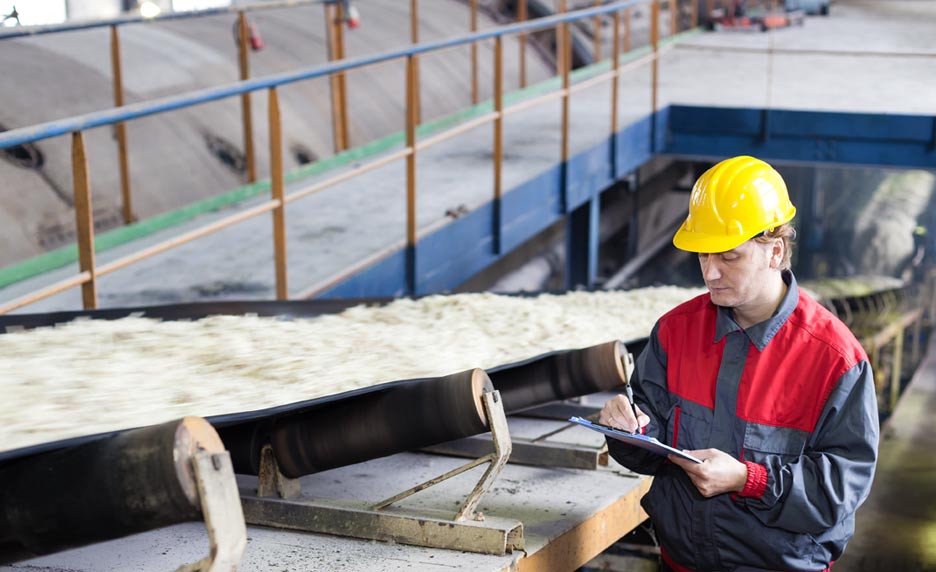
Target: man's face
<point>737,278</point>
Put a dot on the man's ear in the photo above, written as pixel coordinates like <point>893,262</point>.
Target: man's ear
<point>776,254</point>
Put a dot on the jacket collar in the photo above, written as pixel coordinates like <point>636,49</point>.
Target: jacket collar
<point>761,333</point>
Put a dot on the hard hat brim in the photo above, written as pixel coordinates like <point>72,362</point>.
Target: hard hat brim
<point>708,244</point>
<point>702,243</point>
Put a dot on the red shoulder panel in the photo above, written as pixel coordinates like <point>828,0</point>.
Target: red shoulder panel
<point>788,383</point>
<point>687,332</point>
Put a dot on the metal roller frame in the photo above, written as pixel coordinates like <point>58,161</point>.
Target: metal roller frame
<point>123,484</point>
<point>279,502</point>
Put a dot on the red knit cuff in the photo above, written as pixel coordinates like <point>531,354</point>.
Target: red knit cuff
<point>756,484</point>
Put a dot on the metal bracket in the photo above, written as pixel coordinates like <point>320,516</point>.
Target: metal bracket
<point>537,451</point>
<point>221,508</point>
<point>468,530</point>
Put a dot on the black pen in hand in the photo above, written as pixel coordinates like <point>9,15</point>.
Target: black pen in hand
<point>630,399</point>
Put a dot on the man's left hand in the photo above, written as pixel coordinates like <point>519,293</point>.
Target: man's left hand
<point>718,473</point>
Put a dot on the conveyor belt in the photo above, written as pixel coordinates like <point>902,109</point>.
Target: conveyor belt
<point>536,381</point>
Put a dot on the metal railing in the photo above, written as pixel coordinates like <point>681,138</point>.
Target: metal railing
<point>335,41</point>
<point>89,271</point>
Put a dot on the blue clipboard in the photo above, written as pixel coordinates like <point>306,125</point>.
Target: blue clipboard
<point>635,439</point>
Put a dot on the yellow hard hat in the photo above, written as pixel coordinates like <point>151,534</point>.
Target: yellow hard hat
<point>732,202</point>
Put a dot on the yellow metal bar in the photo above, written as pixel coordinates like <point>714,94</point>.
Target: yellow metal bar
<point>566,79</point>
<point>533,102</point>
<point>627,29</point>
<point>84,221</point>
<point>186,238</point>
<point>414,37</point>
<point>355,172</point>
<point>342,80</point>
<point>596,33</point>
<point>521,17</point>
<point>411,89</point>
<point>247,117</point>
<point>332,29</point>
<point>277,186</point>
<point>121,129</point>
<point>455,131</point>
<point>52,290</point>
<point>474,53</point>
<point>896,369</point>
<point>560,39</point>
<point>694,8</point>
<point>350,271</point>
<point>594,80</point>
<point>674,16</point>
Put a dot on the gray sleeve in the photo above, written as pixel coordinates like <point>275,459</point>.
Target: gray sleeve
<point>650,394</point>
<point>828,482</point>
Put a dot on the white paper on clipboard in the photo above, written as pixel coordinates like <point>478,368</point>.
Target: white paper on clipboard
<point>635,439</point>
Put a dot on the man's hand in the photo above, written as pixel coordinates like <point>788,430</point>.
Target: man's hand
<point>718,473</point>
<point>617,413</point>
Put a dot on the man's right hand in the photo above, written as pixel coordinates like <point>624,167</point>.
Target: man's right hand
<point>617,413</point>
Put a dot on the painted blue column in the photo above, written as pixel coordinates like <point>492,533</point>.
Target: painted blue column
<point>582,244</point>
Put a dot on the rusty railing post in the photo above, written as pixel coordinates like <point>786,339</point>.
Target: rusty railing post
<point>498,138</point>
<point>560,39</point>
<point>674,16</point>
<point>84,220</point>
<point>244,63</point>
<point>121,130</point>
<point>414,38</point>
<point>566,60</point>
<point>335,37</point>
<point>627,29</point>
<point>277,190</point>
<point>474,53</point>
<point>896,368</point>
<point>522,17</point>
<point>596,33</point>
<point>412,88</point>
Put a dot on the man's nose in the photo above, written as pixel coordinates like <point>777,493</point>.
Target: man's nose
<point>710,270</point>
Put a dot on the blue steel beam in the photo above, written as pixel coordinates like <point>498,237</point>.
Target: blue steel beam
<point>787,136</point>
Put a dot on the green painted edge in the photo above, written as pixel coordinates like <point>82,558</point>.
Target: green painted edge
<point>116,237</point>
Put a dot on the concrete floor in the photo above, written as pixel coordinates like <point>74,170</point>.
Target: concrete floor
<point>896,527</point>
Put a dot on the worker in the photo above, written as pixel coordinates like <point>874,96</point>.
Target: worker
<point>758,381</point>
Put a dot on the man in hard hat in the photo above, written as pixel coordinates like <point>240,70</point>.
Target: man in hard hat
<point>762,384</point>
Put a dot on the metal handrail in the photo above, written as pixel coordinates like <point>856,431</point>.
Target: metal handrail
<point>112,116</point>
<point>76,125</point>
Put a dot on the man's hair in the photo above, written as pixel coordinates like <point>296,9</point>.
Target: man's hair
<point>787,234</point>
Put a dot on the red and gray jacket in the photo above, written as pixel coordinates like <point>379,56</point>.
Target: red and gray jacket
<point>793,398</point>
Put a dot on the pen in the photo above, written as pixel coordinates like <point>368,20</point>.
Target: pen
<point>630,398</point>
